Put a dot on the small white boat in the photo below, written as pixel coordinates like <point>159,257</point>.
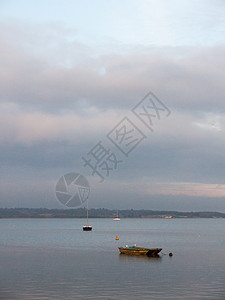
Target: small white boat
<point>117,217</point>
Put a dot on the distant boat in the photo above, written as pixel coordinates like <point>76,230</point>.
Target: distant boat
<point>87,227</point>
<point>117,217</point>
<point>140,251</point>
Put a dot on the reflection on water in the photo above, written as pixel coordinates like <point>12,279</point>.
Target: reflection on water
<point>138,258</point>
<point>55,259</point>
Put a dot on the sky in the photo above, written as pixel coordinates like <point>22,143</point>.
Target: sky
<point>140,82</point>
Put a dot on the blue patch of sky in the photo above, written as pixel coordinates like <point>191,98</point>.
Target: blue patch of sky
<point>128,22</point>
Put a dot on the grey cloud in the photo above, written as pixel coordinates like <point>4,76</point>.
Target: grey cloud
<point>58,99</point>
<point>193,81</point>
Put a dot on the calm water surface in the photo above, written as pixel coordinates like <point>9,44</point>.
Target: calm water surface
<point>55,259</point>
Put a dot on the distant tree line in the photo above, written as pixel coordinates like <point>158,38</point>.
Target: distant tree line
<point>101,213</point>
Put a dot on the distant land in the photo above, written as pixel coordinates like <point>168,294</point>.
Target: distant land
<point>101,213</point>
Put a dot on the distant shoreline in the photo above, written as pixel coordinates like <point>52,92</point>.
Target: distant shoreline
<point>44,213</point>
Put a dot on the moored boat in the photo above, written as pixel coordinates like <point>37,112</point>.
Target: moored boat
<point>87,227</point>
<point>139,251</point>
<point>117,217</point>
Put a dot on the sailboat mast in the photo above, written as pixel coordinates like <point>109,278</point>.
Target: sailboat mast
<point>87,211</point>
<point>87,227</point>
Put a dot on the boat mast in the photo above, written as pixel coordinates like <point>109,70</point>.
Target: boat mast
<point>87,211</point>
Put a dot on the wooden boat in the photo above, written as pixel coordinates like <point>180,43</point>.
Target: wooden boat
<point>87,227</point>
<point>140,251</point>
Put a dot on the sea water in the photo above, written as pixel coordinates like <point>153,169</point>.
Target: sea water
<point>55,259</point>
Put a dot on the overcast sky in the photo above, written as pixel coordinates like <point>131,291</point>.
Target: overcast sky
<point>74,73</point>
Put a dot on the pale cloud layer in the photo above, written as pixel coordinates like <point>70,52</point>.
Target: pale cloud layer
<point>191,81</point>
<point>34,127</point>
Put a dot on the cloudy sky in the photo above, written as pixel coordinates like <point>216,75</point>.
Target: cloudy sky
<point>73,74</point>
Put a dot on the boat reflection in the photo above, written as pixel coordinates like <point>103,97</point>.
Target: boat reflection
<point>129,258</point>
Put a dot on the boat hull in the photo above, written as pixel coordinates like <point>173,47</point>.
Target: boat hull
<point>140,251</point>
<point>87,228</point>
